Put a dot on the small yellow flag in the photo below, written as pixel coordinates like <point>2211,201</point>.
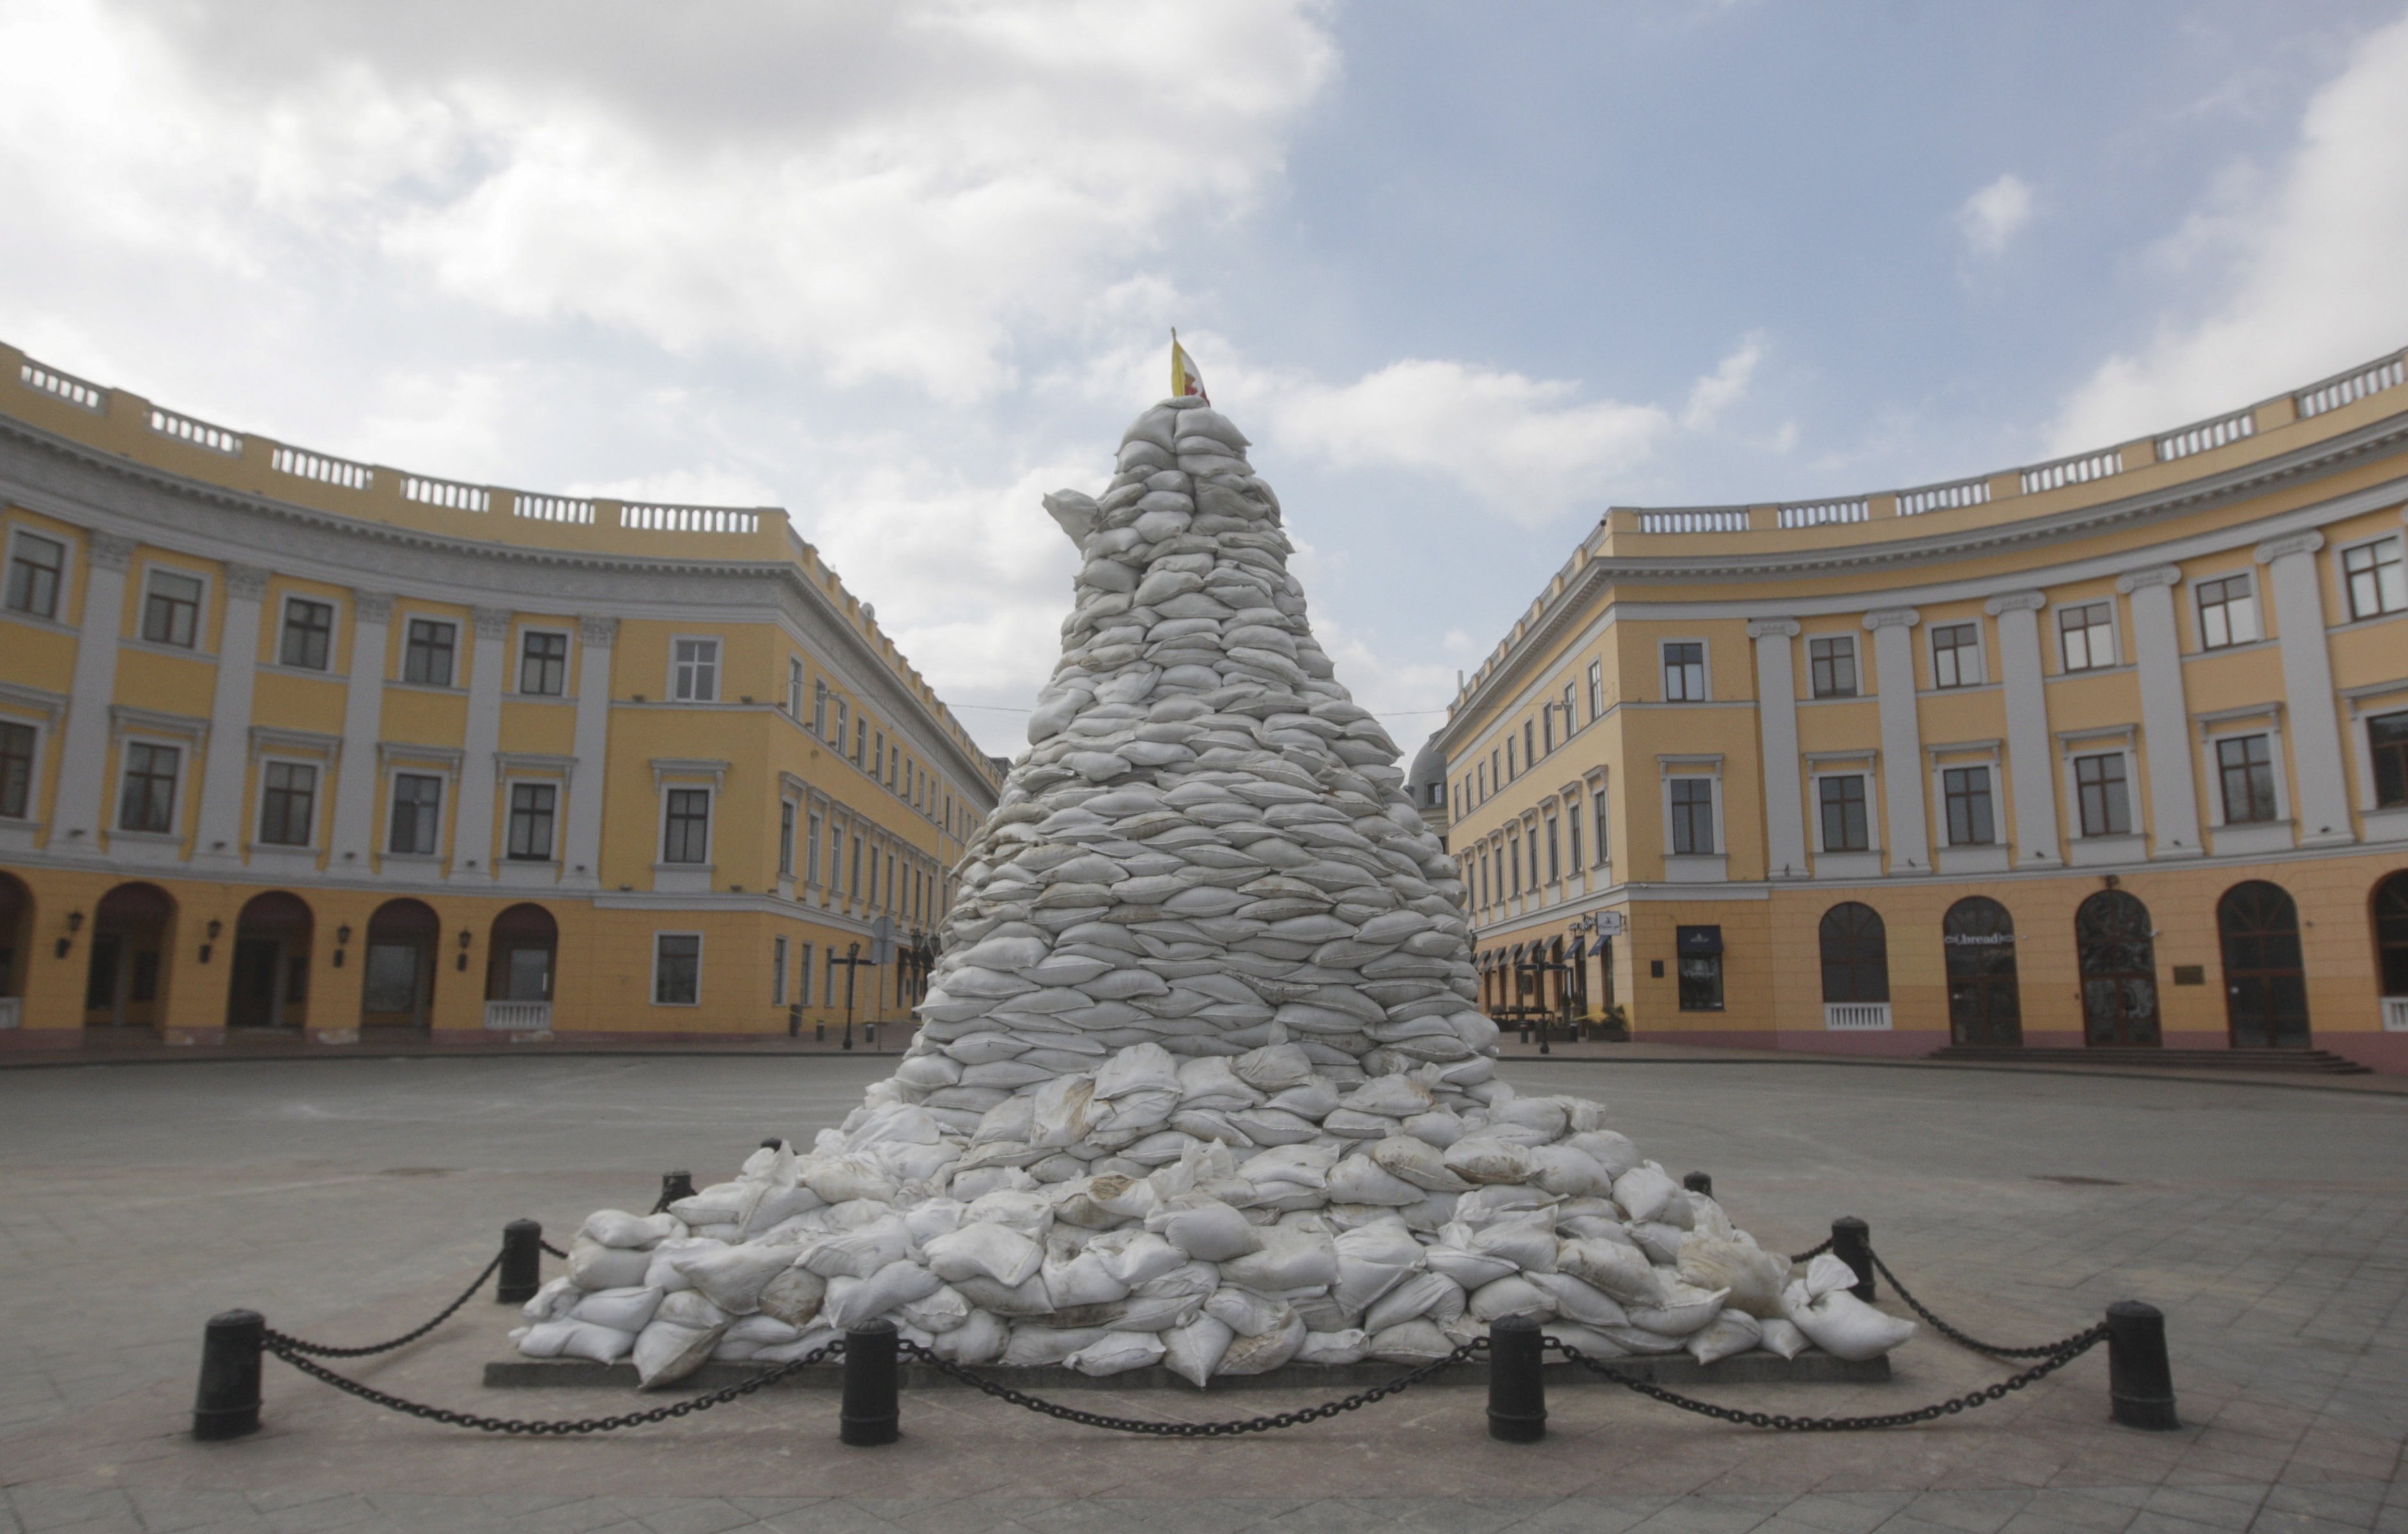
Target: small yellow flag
<point>1185,379</point>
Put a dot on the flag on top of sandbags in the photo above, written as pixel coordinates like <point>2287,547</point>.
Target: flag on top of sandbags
<point>1185,382</point>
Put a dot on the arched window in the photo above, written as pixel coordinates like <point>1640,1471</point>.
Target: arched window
<point>2119,954</point>
<point>1856,954</point>
<point>2391,941</point>
<point>1978,936</point>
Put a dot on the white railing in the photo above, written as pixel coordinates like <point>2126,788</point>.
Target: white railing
<point>1914,503</point>
<point>1856,1016</point>
<point>2334,393</point>
<point>551,508</point>
<point>2206,435</point>
<point>2395,1014</point>
<point>2073,471</point>
<point>304,465</point>
<point>688,519</point>
<point>49,380</point>
<point>446,492</point>
<point>1728,520</point>
<point>13,1011</point>
<point>200,434</point>
<point>1823,513</point>
<point>518,1017</point>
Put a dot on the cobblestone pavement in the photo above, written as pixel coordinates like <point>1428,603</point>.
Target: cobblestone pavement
<point>349,1199</point>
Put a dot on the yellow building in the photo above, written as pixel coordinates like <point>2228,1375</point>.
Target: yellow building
<point>293,743</point>
<point>2108,751</point>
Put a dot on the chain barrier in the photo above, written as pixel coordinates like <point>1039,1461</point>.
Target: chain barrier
<point>1815,1251</point>
<point>325,1351</point>
<point>550,1248</point>
<point>1944,1329</point>
<point>283,1347</point>
<point>1230,1429</point>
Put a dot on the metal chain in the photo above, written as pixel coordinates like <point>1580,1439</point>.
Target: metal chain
<point>1194,1430</point>
<point>1944,1329</point>
<point>2071,1348</point>
<point>1814,1252</point>
<point>324,1351</point>
<point>282,1347</point>
<point>549,1247</point>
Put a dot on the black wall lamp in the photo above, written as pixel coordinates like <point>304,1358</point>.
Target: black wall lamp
<point>75,924</point>
<point>342,936</point>
<point>214,928</point>
<point>464,950</point>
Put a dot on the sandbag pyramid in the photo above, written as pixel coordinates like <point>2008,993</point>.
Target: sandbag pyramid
<point>1199,1080</point>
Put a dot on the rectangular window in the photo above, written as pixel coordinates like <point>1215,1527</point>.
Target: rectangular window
<point>803,975</point>
<point>811,851</point>
<point>543,665</point>
<point>2087,633</point>
<point>427,652</point>
<point>1513,762</point>
<point>287,803</point>
<point>171,612</point>
<point>1572,831</point>
<point>794,689</point>
<point>1684,672</point>
<point>1955,654</point>
<point>2098,784</point>
<point>1965,792</point>
<point>416,813</point>
<point>2228,612</point>
<point>1530,744</point>
<point>852,888</point>
<point>786,838</point>
<point>1596,690</point>
<point>533,807</point>
<point>1571,721</point>
<point>777,971</point>
<point>1693,816</point>
<point>694,674</point>
<point>1833,666</point>
<point>1547,729</point>
<point>309,634</point>
<point>819,708</point>
<point>1597,815</point>
<point>878,755</point>
<point>677,968</point>
<point>2387,740</point>
<point>1495,784</point>
<point>16,772</point>
<point>860,740</point>
<point>686,827</point>
<point>35,565</point>
<point>2246,767</point>
<point>1842,803</point>
<point>2377,584</point>
<point>1514,851</point>
<point>1554,856</point>
<point>147,801</point>
<point>1701,983</point>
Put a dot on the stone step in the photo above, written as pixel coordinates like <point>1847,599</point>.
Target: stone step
<point>2294,1061</point>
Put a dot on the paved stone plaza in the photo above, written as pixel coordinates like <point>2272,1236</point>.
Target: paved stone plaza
<point>349,1199</point>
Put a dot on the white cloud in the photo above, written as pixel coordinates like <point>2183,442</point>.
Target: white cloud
<point>1723,387</point>
<point>2311,280</point>
<point>1996,214</point>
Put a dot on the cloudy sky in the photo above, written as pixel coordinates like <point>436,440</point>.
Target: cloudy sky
<point>1468,274</point>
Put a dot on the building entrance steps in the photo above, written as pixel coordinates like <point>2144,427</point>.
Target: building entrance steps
<point>2311,1061</point>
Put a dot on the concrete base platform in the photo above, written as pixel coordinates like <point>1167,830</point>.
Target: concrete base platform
<point>1677,1369</point>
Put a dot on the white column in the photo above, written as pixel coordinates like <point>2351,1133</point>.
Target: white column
<point>2322,809</point>
<point>472,832</point>
<point>1902,737</point>
<point>583,869</point>
<point>2028,755</point>
<point>219,836</point>
<point>1776,717</point>
<point>78,808</point>
<point>355,776</point>
<point>2165,712</point>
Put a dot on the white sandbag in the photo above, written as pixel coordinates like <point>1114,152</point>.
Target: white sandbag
<point>1659,1241</point>
<point>1133,1257</point>
<point>1204,1228</point>
<point>851,1301</point>
<point>937,1313</point>
<point>1527,1241</point>
<point>666,1351</point>
<point>1371,1261</point>
<point>1438,1128</point>
<point>553,1302</point>
<point>1756,1278</point>
<point>574,1340</point>
<point>1561,1169</point>
<point>1781,1335</point>
<point>1035,1347</point>
<point>1026,1299</point>
<point>1592,1341</point>
<point>841,1178</point>
<point>1484,1159</point>
<point>1732,1332</point>
<point>1469,1269</point>
<point>593,1265</point>
<point>731,1277</point>
<point>857,1254</point>
<point>617,1227</point>
<point>1287,1260</point>
<point>1269,1351</point>
<point>662,1272</point>
<point>1618,1269</point>
<point>1825,1273</point>
<point>1684,1310</point>
<point>629,1310</point>
<point>746,1337</point>
<point>986,1250</point>
<point>1117,1353</point>
<point>1615,1153</point>
<point>1644,1191</point>
<point>1410,1342</point>
<point>1080,1278</point>
<point>930,1218</point>
<point>1350,1345</point>
<point>1845,1327</point>
<point>1247,1312</point>
<point>1511,1296</point>
<point>780,1205</point>
<point>1417,1161</point>
<point>980,1340</point>
<point>722,1203</point>
<point>1360,1179</point>
<point>1194,1351</point>
<point>1028,1210</point>
<point>1423,1294</point>
<point>793,1296</point>
<point>1582,1302</point>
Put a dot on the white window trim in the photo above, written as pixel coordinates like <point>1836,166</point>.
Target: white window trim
<point>420,762</point>
<point>2239,723</point>
<point>2115,633</point>
<point>1593,678</point>
<point>2115,742</point>
<point>151,570</point>
<point>1706,658</point>
<point>1856,655</point>
<point>186,750</point>
<point>1710,768</point>
<point>318,765</point>
<point>2340,576</point>
<point>66,575</point>
<point>559,786</point>
<point>710,827</point>
<point>1931,628</point>
<point>2198,608</point>
<point>334,634</point>
<point>1598,781</point>
<point>1940,770</point>
<point>2365,705</point>
<point>781,958</point>
<point>794,679</point>
<point>701,946</point>
<point>37,711</point>
<point>1865,764</point>
<point>718,666</point>
<point>399,629</point>
<point>567,662</point>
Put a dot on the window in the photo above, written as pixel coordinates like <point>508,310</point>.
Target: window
<point>819,708</point>
<point>1484,886</point>
<point>793,688</point>
<point>2376,582</point>
<point>1512,763</point>
<point>171,612</point>
<point>860,740</point>
<point>417,810</point>
<point>2099,785</point>
<point>1965,794</point>
<point>1597,804</point>
<point>533,807</point>
<point>1831,665</point>
<point>2387,742</point>
<point>543,665</point>
<point>1555,857</point>
<point>777,971</point>
<point>427,652</point>
<point>1596,690</point>
<point>1856,954</point>
<point>1480,783</point>
<point>686,827</point>
<point>1570,720</point>
<point>309,634</point>
<point>811,851</point>
<point>786,838</point>
<point>1494,782</point>
<point>1955,654</point>
<point>1693,816</point>
<point>286,803</point>
<point>853,887</point>
<point>2087,634</point>
<point>1514,850</point>
<point>803,976</point>
<point>1529,744</point>
<point>2227,614</point>
<point>1684,672</point>
<point>16,771</point>
<point>677,968</point>
<point>36,566</point>
<point>1547,729</point>
<point>2245,767</point>
<point>1842,800</point>
<point>1699,968</point>
<point>147,801</point>
<point>1572,829</point>
<point>694,670</point>
<point>878,754</point>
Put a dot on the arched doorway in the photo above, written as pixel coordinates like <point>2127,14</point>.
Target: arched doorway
<point>1983,1008</point>
<point>519,968</point>
<point>2391,948</point>
<point>16,948</point>
<point>1855,967</point>
<point>2119,954</point>
<point>124,979</point>
<point>397,980</point>
<point>2265,985</point>
<point>267,984</point>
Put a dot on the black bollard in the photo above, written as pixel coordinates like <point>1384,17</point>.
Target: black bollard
<point>522,1273</point>
<point>1852,1243</point>
<point>1699,1182</point>
<point>674,1186</point>
<point>871,1412</point>
<point>2139,1378</point>
<point>228,1402</point>
<point>1517,1390</point>
<point>773,1143</point>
